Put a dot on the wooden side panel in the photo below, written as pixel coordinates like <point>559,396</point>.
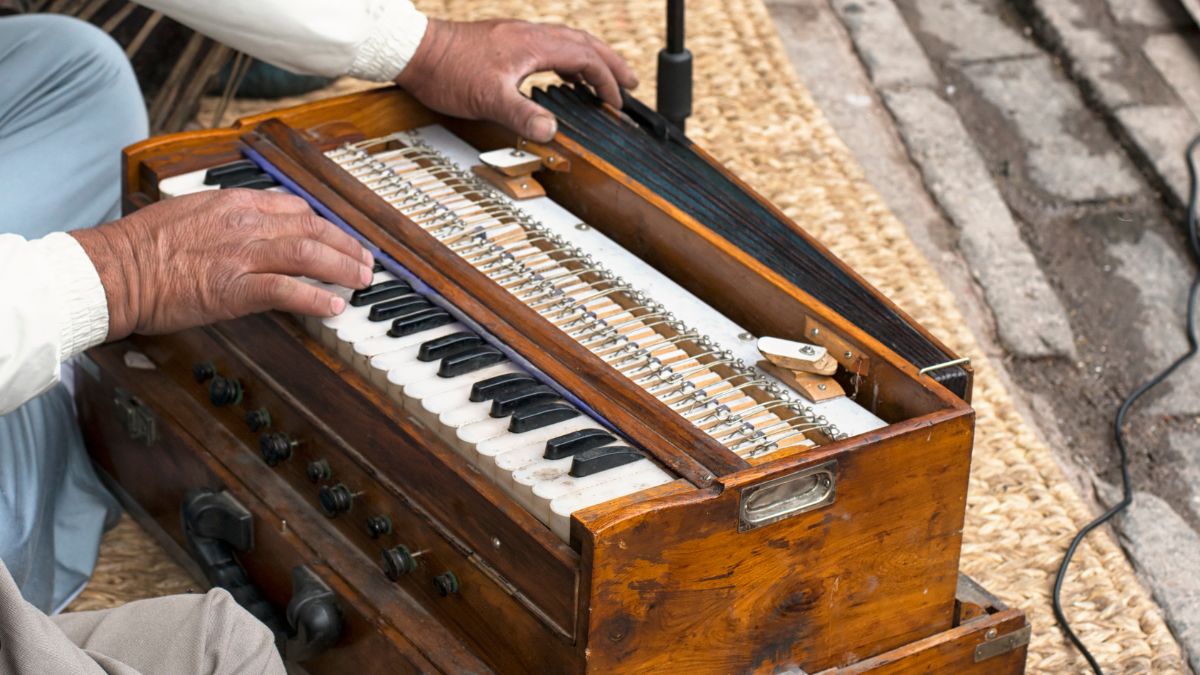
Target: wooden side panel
<point>952,651</point>
<point>385,630</point>
<point>678,588</point>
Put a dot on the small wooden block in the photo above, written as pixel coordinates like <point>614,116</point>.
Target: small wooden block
<point>511,161</point>
<point>815,388</point>
<point>551,159</point>
<point>517,187</point>
<point>797,355</point>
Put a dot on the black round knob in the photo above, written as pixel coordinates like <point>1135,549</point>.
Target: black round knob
<point>398,561</point>
<point>446,584</point>
<point>258,419</point>
<point>224,391</point>
<point>335,499</point>
<point>203,372</point>
<point>318,470</point>
<point>377,526</point>
<point>275,447</point>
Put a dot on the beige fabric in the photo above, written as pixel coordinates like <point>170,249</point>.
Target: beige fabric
<point>176,634</point>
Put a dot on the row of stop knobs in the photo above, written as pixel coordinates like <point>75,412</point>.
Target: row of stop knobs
<point>277,446</point>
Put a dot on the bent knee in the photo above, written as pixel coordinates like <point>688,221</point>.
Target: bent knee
<point>53,39</point>
<point>84,65</point>
<point>228,622</point>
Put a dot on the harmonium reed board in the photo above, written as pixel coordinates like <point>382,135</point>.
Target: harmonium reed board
<point>542,440</point>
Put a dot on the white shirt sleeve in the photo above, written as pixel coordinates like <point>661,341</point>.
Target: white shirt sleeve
<point>368,39</point>
<point>52,306</point>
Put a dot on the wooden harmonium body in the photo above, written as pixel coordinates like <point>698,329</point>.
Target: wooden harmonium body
<point>542,439</point>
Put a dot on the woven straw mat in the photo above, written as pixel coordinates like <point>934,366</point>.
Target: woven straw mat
<point>753,114</point>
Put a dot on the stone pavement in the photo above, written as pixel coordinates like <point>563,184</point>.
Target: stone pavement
<point>1034,148</point>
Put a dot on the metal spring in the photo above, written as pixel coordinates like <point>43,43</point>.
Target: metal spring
<point>460,187</point>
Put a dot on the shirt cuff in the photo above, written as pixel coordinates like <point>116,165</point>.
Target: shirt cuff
<point>398,30</point>
<point>83,307</point>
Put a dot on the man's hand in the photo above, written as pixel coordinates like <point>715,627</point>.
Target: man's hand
<point>474,69</point>
<point>218,255</point>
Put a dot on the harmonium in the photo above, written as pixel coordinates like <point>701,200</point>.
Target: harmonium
<point>545,439</point>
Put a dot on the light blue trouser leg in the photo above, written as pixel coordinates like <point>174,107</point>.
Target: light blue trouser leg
<point>68,103</point>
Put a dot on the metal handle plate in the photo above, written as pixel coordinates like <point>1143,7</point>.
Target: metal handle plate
<point>811,488</point>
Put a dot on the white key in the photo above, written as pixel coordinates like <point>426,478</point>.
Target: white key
<point>547,491</point>
<point>184,184</point>
<point>561,508</point>
<point>361,327</point>
<point>419,391</point>
<point>467,413</point>
<point>403,367</point>
<point>521,481</point>
<point>470,435</point>
<point>330,325</point>
<point>499,457</point>
<point>365,350</point>
<point>429,408</point>
<point>312,324</point>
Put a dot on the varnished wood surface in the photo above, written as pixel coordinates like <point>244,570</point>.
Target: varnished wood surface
<point>675,587</point>
<point>386,631</point>
<point>951,651</point>
<point>395,474</point>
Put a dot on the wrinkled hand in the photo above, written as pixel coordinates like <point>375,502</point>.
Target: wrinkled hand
<point>474,69</point>
<point>219,255</point>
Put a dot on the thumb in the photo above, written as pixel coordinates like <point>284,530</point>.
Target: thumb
<point>525,117</point>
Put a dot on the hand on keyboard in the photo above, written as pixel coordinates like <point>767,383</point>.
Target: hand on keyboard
<point>474,70</point>
<point>218,255</point>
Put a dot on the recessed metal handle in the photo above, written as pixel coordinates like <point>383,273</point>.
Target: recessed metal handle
<point>811,488</point>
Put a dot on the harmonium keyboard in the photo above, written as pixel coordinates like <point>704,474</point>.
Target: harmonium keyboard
<point>545,438</point>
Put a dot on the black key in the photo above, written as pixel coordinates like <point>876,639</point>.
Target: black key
<point>469,361</point>
<point>509,400</point>
<point>377,267</point>
<point>440,348</point>
<point>384,290</point>
<point>219,175</point>
<point>538,415</point>
<point>424,319</point>
<point>394,309</point>
<point>260,181</point>
<point>576,442</point>
<point>485,390</point>
<point>608,457</point>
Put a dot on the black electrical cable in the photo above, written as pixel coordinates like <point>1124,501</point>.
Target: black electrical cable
<point>1193,230</point>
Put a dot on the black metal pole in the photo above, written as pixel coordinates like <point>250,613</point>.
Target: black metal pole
<point>675,70</point>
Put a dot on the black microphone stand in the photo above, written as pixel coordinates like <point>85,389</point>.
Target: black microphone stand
<point>675,70</point>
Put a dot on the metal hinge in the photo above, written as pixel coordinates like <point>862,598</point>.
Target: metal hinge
<point>995,646</point>
<point>135,417</point>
